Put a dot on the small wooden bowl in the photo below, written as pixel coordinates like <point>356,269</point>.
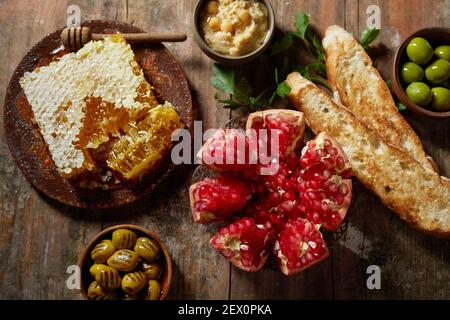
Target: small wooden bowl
<point>221,58</point>
<point>436,37</point>
<point>86,262</point>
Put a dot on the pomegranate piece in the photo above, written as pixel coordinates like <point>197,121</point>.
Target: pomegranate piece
<point>245,243</point>
<point>288,124</point>
<point>327,207</point>
<point>217,199</point>
<point>227,149</point>
<point>324,194</point>
<point>299,246</point>
<point>325,152</point>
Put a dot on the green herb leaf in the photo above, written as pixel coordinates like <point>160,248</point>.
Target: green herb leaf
<point>243,90</point>
<point>322,81</point>
<point>389,83</point>
<point>319,51</point>
<point>223,78</point>
<point>401,106</point>
<point>301,24</point>
<point>254,103</point>
<point>319,68</point>
<point>282,45</point>
<point>272,98</point>
<point>283,89</point>
<point>368,36</point>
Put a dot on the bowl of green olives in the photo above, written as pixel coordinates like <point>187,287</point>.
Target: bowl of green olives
<point>125,262</point>
<point>421,72</point>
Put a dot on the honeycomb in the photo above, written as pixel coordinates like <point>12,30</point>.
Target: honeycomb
<point>145,142</point>
<point>96,112</point>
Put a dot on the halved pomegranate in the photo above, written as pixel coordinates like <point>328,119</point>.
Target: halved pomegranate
<point>288,124</point>
<point>245,243</point>
<point>217,199</point>
<point>299,246</point>
<point>227,149</point>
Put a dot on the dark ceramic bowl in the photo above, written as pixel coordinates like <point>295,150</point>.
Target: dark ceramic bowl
<point>229,59</point>
<point>86,262</point>
<point>436,37</point>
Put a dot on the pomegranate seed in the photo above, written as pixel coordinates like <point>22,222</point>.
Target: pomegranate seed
<point>286,206</point>
<point>289,195</point>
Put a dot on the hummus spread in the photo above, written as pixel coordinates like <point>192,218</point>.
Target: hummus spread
<point>234,27</point>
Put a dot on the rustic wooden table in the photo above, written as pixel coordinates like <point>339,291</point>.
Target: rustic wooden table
<point>39,238</point>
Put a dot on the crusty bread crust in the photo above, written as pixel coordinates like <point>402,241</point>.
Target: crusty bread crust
<point>416,194</point>
<point>362,90</point>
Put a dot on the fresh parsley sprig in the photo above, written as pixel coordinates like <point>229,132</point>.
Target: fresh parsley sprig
<point>282,89</point>
<point>316,71</point>
<point>310,39</point>
<point>240,92</point>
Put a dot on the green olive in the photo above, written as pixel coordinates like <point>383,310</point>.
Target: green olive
<point>96,292</point>
<point>438,71</point>
<point>123,260</point>
<point>153,291</point>
<point>108,278</point>
<point>96,268</point>
<point>133,282</point>
<point>419,50</point>
<point>151,270</point>
<point>102,251</point>
<point>441,98</point>
<point>412,72</point>
<point>147,249</point>
<point>443,52</point>
<point>123,239</point>
<point>419,93</point>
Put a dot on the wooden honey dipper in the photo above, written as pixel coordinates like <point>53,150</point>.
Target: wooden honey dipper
<point>75,38</point>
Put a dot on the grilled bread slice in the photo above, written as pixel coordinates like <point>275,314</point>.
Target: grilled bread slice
<point>417,195</point>
<point>362,90</point>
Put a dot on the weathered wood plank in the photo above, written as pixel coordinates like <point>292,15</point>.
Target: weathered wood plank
<point>412,264</point>
<point>39,238</point>
<point>316,283</point>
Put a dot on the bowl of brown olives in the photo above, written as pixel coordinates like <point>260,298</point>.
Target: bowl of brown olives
<point>421,72</point>
<point>125,262</point>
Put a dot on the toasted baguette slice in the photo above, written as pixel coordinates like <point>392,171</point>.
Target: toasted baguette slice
<point>362,90</point>
<point>416,194</point>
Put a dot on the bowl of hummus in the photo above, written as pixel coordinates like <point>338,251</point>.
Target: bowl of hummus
<point>233,31</point>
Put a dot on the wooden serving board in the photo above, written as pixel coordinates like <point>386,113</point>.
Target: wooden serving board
<point>39,238</point>
<point>29,149</point>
